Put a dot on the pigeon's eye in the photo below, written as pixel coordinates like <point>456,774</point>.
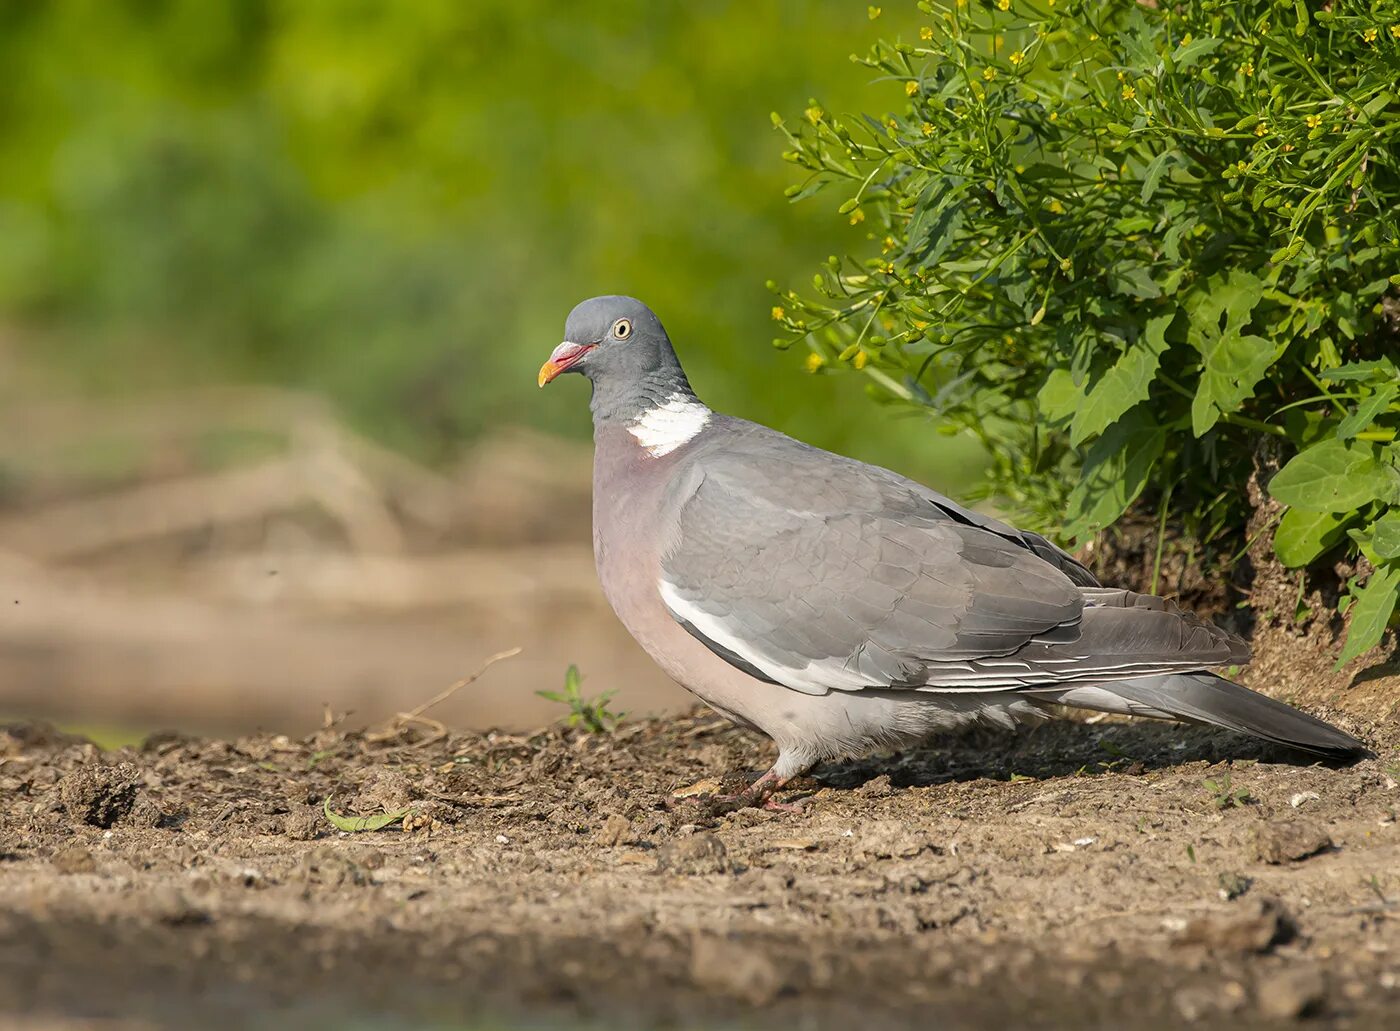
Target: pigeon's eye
<point>622,329</point>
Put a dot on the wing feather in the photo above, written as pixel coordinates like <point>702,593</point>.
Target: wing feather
<point>823,574</point>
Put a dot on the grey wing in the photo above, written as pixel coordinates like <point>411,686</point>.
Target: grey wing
<point>1034,542</point>
<point>819,586</point>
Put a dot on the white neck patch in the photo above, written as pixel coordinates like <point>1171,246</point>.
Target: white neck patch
<point>666,427</point>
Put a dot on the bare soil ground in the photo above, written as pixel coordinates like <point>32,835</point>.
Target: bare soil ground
<point>1076,875</point>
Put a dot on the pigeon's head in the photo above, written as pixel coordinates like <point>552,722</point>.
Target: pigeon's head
<point>614,338</point>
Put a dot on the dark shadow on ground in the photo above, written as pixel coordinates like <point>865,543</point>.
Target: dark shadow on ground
<point>1058,749</point>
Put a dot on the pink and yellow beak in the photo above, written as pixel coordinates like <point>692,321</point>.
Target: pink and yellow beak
<point>565,356</point>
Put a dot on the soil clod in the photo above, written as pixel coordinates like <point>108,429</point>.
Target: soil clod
<point>99,795</point>
<point>1288,841</point>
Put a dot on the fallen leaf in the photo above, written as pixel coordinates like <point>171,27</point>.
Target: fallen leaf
<point>708,786</point>
<point>356,824</point>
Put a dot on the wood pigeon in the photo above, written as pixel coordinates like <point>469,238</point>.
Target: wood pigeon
<point>840,608</point>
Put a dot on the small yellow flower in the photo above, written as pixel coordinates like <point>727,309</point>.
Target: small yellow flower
<point>1003,5</point>
<point>928,128</point>
<point>857,217</point>
<point>926,33</point>
<point>1369,35</point>
<point>1054,116</point>
<point>1017,57</point>
<point>815,361</point>
<point>860,359</point>
<point>1120,76</point>
<point>920,326</point>
<point>1093,37</point>
<point>1288,147</point>
<point>891,125</point>
<point>1248,68</point>
<point>1187,39</point>
<point>814,114</point>
<point>1056,207</point>
<point>989,74</point>
<point>887,244</point>
<point>1314,121</point>
<point>1395,30</point>
<point>1066,264</point>
<point>1129,93</point>
<point>910,88</point>
<point>887,267</point>
<point>962,3</point>
<point>1262,129</point>
<point>778,313</point>
<point>874,12</point>
<point>1049,3</point>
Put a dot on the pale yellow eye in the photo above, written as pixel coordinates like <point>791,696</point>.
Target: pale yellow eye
<point>622,329</point>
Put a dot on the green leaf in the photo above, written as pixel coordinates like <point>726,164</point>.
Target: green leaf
<point>1171,242</point>
<point>1382,370</point>
<point>1060,397</point>
<point>1303,536</point>
<point>1332,476</point>
<point>1123,385</point>
<point>1187,55</point>
<point>1367,411</point>
<point>1153,174</point>
<point>1385,535</point>
<point>1232,363</point>
<point>1134,281</point>
<point>1375,601</point>
<point>356,824</point>
<point>1115,472</point>
<point>940,215</point>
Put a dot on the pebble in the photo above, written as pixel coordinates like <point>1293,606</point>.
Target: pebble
<point>1292,993</point>
<point>614,830</point>
<point>1286,841</point>
<point>74,859</point>
<point>1250,926</point>
<point>702,853</point>
<point>1196,1001</point>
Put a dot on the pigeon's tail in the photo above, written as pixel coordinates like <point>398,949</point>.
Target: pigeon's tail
<point>1206,698</point>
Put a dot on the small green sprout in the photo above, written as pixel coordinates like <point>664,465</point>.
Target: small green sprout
<point>1224,795</point>
<point>589,714</point>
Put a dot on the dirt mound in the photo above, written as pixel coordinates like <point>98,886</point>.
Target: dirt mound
<point>1078,875</point>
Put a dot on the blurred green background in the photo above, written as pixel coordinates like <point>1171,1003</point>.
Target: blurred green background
<point>395,205</point>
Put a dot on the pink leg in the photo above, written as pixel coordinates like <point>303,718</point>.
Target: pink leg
<point>760,794</point>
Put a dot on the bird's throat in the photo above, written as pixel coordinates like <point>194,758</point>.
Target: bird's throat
<point>663,428</point>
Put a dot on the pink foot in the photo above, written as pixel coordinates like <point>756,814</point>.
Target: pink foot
<point>759,794</point>
<point>774,806</point>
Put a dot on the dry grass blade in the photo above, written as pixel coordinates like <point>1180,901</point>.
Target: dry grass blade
<point>448,692</point>
<point>415,715</point>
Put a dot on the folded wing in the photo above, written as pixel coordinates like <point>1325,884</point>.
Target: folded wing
<point>827,578</point>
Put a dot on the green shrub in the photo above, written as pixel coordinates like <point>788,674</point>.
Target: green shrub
<point>1125,244</point>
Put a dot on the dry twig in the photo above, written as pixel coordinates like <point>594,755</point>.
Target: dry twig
<point>438,730</point>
